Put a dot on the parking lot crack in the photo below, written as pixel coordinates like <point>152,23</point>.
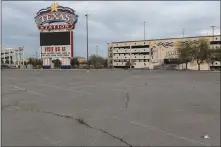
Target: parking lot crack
<point>5,106</point>
<point>82,122</point>
<point>127,99</point>
<point>113,136</point>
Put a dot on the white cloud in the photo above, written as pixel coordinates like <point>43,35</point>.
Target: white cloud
<point>112,21</point>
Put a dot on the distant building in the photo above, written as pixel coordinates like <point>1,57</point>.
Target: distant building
<point>150,53</point>
<point>81,59</point>
<point>12,56</point>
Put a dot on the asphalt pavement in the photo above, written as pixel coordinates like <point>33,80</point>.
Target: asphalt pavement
<point>110,107</point>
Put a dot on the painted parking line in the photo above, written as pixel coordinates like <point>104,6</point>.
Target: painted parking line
<point>170,134</point>
<point>29,91</point>
<point>152,128</point>
<point>65,88</point>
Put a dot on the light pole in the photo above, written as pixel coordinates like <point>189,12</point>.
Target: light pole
<point>36,56</point>
<point>87,37</point>
<point>23,56</point>
<point>144,29</point>
<point>213,31</point>
<point>108,54</point>
<point>183,32</point>
<point>97,51</point>
<point>108,49</point>
<point>213,36</point>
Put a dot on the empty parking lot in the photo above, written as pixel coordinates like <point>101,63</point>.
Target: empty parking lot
<point>110,107</point>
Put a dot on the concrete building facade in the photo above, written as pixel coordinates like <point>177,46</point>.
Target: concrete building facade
<point>150,53</point>
<point>12,56</point>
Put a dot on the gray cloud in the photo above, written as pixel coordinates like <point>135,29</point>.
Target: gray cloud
<point>112,21</point>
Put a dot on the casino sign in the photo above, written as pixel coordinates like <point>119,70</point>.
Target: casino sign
<point>56,14</point>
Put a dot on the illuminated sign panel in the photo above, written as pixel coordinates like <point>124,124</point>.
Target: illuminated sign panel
<point>54,38</point>
<point>55,44</point>
<point>56,14</point>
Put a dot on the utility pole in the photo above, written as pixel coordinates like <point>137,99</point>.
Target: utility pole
<point>144,30</point>
<point>87,37</point>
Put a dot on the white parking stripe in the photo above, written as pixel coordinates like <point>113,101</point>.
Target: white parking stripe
<point>171,134</point>
<point>32,92</point>
<point>68,89</point>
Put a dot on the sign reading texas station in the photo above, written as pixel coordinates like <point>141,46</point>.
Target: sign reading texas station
<point>56,14</point>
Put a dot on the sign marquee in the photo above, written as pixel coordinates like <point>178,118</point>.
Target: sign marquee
<point>56,51</point>
<point>172,53</point>
<point>56,14</point>
<point>56,27</point>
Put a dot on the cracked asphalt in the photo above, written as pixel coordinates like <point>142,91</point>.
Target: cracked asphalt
<point>110,107</point>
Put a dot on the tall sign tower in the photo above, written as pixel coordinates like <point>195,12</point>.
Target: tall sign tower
<point>56,25</point>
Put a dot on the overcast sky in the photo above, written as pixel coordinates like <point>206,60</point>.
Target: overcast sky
<point>111,21</point>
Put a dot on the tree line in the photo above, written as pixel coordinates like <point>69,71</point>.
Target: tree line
<point>93,62</point>
<point>200,53</point>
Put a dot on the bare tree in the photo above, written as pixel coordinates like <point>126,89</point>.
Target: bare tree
<point>128,64</point>
<point>201,52</point>
<point>35,62</point>
<point>57,63</point>
<point>74,62</point>
<point>105,63</point>
<point>30,61</point>
<point>184,53</point>
<point>96,61</point>
<point>215,55</point>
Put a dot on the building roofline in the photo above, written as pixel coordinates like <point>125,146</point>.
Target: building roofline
<point>166,38</point>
